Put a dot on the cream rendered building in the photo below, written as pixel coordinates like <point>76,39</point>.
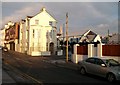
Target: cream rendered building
<point>38,34</point>
<point>2,37</point>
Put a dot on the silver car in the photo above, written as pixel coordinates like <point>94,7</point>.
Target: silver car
<point>107,68</point>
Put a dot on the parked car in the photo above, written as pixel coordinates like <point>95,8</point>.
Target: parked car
<point>107,68</point>
<point>5,49</point>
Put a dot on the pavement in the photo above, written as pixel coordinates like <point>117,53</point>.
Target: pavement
<point>68,65</point>
<point>6,78</point>
<point>61,62</point>
<point>53,59</point>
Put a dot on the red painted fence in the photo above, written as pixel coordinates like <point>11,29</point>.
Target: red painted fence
<point>111,50</point>
<point>82,50</point>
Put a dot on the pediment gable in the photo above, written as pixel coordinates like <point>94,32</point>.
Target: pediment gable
<point>88,36</point>
<point>43,14</point>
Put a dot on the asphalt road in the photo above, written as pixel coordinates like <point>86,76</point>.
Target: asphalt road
<point>40,71</point>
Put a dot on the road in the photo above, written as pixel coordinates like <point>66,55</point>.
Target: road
<point>36,69</point>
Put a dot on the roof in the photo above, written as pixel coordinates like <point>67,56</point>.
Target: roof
<point>89,32</point>
<point>88,36</point>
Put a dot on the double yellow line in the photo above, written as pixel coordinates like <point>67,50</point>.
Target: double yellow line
<point>23,74</point>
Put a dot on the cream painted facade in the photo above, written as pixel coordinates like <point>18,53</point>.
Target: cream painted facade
<point>37,33</point>
<point>2,37</point>
<point>23,37</point>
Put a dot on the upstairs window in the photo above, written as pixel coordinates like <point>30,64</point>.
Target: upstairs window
<point>50,23</point>
<point>36,22</point>
<point>33,33</point>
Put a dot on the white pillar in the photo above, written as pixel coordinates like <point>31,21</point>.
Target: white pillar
<point>90,50</point>
<point>99,50</point>
<point>74,57</point>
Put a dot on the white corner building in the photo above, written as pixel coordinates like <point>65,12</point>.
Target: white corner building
<point>2,37</point>
<point>38,34</point>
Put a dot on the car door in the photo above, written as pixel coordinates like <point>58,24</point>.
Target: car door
<point>100,70</point>
<point>90,65</point>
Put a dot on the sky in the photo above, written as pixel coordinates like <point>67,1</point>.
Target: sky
<point>82,16</point>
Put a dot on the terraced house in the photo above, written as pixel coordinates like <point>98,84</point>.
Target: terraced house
<point>12,36</point>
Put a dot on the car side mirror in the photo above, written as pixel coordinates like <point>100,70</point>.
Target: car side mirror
<point>103,65</point>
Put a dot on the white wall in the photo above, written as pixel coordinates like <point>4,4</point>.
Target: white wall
<point>2,37</point>
<point>22,37</point>
<point>92,52</point>
<point>97,38</point>
<point>43,18</point>
<point>75,57</point>
<point>38,42</point>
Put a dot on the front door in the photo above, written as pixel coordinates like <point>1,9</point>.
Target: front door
<point>12,46</point>
<point>51,48</point>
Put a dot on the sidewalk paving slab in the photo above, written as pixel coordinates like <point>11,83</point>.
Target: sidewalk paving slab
<point>6,78</point>
<point>68,65</point>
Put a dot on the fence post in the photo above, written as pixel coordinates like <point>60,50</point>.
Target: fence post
<point>74,57</point>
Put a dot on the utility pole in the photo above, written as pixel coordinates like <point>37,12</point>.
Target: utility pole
<point>108,35</point>
<point>66,37</point>
<point>63,32</point>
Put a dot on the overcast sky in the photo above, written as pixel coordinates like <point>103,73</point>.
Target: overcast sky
<point>97,16</point>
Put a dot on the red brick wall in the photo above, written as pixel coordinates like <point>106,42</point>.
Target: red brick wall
<point>12,32</point>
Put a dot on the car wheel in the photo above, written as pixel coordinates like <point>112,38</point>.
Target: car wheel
<point>111,77</point>
<point>82,71</point>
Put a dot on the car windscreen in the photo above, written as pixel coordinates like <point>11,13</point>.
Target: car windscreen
<point>112,62</point>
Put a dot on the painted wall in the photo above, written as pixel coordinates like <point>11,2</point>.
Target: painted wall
<point>2,37</point>
<point>92,52</point>
<point>97,38</point>
<point>22,36</point>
